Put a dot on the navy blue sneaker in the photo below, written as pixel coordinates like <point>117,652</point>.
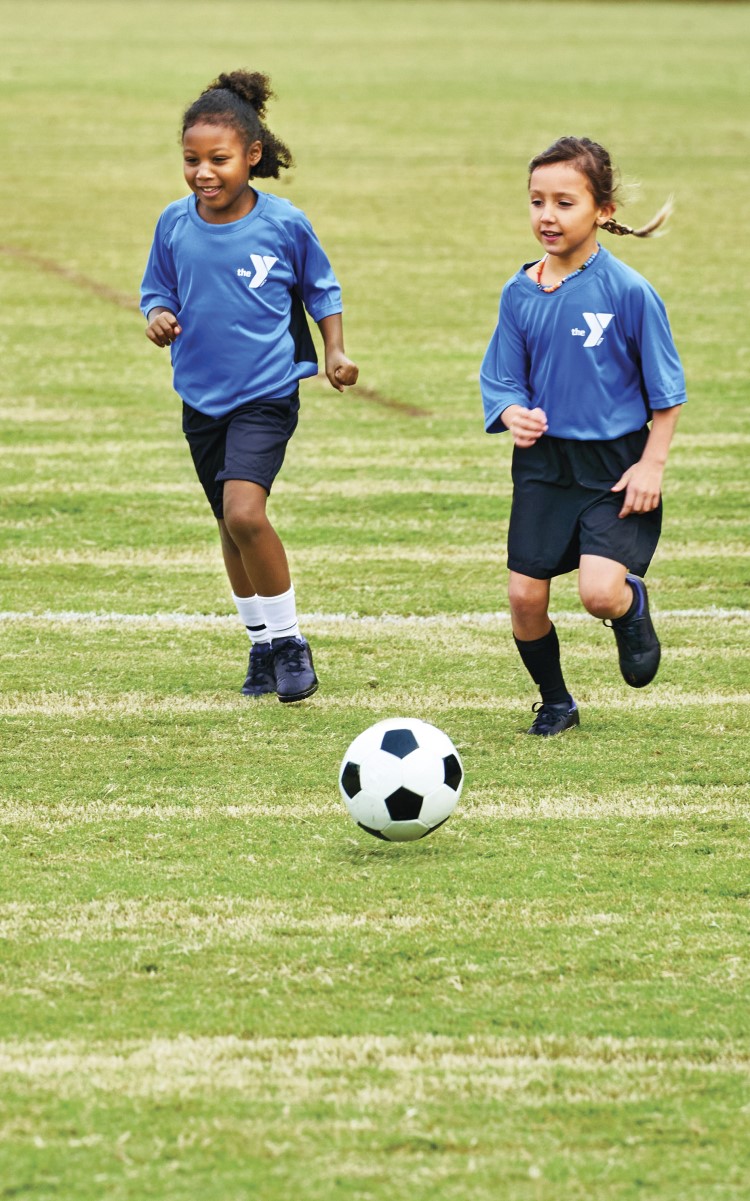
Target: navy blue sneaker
<point>295,674</point>
<point>261,676</point>
<point>554,719</point>
<point>637,644</point>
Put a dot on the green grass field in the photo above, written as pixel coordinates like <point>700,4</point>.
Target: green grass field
<point>213,985</point>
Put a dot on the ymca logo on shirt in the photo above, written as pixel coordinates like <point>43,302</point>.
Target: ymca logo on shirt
<point>597,323</point>
<point>262,264</point>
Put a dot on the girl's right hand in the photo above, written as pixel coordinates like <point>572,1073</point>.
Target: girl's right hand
<point>163,327</point>
<point>526,425</point>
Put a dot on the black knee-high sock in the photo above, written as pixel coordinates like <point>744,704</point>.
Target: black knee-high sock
<point>541,658</point>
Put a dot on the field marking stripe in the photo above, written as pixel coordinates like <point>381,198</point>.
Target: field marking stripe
<point>202,620</point>
<point>411,1068</point>
<point>363,1049</point>
<point>136,704</point>
<point>234,915</point>
<point>479,805</point>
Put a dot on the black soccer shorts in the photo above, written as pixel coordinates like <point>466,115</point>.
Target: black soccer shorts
<point>563,507</point>
<point>247,444</point>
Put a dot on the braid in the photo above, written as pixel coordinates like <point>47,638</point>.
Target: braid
<point>238,99</point>
<point>652,229</point>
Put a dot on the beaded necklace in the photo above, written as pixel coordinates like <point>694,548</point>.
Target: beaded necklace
<point>560,282</point>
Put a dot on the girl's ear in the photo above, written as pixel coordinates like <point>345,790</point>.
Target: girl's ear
<point>254,153</point>
<point>606,213</point>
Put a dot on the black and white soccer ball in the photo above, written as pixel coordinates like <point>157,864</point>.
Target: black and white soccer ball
<point>401,778</point>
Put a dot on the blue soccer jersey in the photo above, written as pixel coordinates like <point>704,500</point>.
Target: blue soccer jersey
<point>238,291</point>
<point>596,355</point>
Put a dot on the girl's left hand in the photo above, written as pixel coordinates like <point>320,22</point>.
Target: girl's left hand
<point>642,486</point>
<point>341,372</point>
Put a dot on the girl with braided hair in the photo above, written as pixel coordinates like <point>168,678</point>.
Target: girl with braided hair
<point>581,361</point>
<point>229,277</point>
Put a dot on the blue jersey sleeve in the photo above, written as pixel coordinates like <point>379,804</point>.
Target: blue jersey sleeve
<point>504,375</point>
<point>159,286</point>
<point>661,369</point>
<point>316,282</point>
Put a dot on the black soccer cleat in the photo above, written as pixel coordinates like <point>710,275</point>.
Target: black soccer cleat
<point>554,719</point>
<point>637,644</point>
<point>295,674</point>
<point>261,676</point>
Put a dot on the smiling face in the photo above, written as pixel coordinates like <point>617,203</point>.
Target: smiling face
<point>217,167</point>
<point>565,217</point>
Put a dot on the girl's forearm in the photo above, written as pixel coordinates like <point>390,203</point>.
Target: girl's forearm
<point>663,422</point>
<point>341,371</point>
<point>332,332</point>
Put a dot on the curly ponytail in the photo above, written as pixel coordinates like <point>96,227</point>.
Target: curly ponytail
<point>593,161</point>
<point>239,99</point>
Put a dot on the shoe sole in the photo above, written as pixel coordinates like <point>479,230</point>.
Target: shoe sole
<point>259,693</point>
<point>641,681</point>
<point>557,733</point>
<point>299,696</point>
<point>536,734</point>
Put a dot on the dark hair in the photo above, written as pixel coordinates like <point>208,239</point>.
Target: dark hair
<point>239,100</point>
<point>593,161</point>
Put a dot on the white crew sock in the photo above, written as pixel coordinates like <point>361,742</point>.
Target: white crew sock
<point>250,610</point>
<point>280,613</point>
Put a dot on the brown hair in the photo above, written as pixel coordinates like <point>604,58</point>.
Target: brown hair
<point>593,161</point>
<point>239,100</point>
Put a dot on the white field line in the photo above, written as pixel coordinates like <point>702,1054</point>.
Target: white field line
<point>477,804</point>
<point>202,560</point>
<point>48,703</point>
<point>416,1069</point>
<point>216,920</point>
<point>324,620</point>
<point>234,919</point>
<point>226,919</point>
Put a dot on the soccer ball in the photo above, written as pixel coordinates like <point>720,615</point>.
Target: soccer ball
<point>401,779</point>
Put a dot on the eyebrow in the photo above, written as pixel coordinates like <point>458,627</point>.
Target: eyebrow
<point>213,150</point>
<point>559,195</point>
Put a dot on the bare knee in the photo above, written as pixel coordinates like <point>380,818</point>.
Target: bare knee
<point>525,605</point>
<point>601,599</point>
<point>602,586</point>
<point>529,600</point>
<point>245,520</point>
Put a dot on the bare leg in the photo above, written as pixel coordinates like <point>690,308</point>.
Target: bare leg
<point>529,604</point>
<point>254,556</point>
<point>238,577</point>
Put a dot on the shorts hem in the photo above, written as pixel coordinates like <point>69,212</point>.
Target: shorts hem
<point>638,567</point>
<point>218,508</point>
<point>246,479</point>
<point>534,573</point>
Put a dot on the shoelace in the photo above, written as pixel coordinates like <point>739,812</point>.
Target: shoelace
<point>260,657</point>
<point>546,715</point>
<point>631,634</point>
<point>261,665</point>
<point>293,660</point>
